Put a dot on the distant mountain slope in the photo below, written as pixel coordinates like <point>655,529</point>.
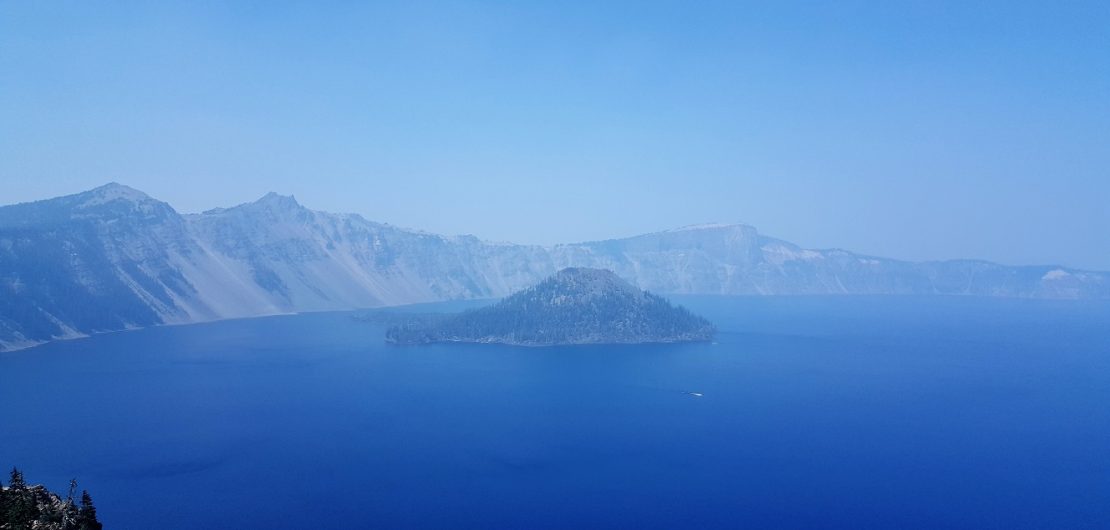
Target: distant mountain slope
<point>575,306</point>
<point>113,258</point>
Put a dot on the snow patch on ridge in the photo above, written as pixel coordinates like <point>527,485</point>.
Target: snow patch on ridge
<point>779,254</point>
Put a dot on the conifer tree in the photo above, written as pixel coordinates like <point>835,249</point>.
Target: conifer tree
<point>86,517</point>
<point>16,482</point>
<point>3,504</point>
<point>20,506</point>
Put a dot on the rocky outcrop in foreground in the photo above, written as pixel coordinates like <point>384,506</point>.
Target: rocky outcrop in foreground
<point>24,507</point>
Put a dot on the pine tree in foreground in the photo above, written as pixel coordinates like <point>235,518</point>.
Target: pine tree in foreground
<point>86,517</point>
<point>21,508</point>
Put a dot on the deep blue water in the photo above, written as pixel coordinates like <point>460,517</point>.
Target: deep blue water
<point>832,412</point>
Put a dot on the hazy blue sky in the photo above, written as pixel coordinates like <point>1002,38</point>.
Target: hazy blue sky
<point>912,130</point>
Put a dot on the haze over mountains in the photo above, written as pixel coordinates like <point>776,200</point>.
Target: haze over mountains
<point>114,258</point>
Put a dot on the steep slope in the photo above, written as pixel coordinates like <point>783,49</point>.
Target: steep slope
<point>113,258</point>
<point>574,306</point>
<point>95,261</point>
<point>307,260</point>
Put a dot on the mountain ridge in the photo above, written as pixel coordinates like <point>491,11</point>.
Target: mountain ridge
<point>115,258</point>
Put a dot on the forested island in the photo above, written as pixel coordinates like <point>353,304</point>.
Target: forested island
<point>25,507</point>
<point>575,306</point>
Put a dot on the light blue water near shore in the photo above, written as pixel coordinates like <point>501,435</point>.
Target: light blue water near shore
<point>834,412</point>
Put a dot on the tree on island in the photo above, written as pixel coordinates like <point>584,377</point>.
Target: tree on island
<point>574,306</point>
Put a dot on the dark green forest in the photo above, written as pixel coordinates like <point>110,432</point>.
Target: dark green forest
<point>576,306</point>
<point>24,507</point>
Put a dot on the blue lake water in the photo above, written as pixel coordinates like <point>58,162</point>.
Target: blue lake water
<point>832,412</point>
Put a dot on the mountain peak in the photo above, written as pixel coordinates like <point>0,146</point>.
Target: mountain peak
<point>110,202</point>
<point>270,205</point>
<point>274,200</point>
<point>581,283</point>
<point>114,191</point>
